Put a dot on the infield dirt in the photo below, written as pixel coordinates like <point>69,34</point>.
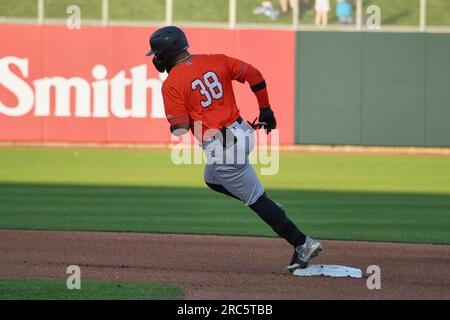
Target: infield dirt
<point>217,267</point>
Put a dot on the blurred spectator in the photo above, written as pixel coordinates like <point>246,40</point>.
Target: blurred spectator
<point>285,4</point>
<point>344,11</point>
<point>322,8</point>
<point>304,5</point>
<point>267,9</point>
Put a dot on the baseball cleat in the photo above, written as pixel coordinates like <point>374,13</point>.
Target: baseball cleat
<point>304,253</point>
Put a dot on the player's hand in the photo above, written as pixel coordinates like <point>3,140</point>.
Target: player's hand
<point>255,125</point>
<point>267,119</point>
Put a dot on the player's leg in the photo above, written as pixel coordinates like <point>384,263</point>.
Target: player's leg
<point>213,184</point>
<point>237,176</point>
<point>276,218</point>
<point>242,181</point>
<point>305,248</point>
<point>244,145</point>
<point>219,188</point>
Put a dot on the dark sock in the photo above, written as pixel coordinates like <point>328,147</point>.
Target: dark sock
<point>221,189</point>
<point>275,217</point>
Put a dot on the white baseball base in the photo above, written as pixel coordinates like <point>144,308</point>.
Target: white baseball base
<point>329,271</point>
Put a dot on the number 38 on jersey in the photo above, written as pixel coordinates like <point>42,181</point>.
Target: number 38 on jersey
<point>210,88</point>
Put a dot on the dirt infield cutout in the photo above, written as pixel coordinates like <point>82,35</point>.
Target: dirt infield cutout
<point>217,267</point>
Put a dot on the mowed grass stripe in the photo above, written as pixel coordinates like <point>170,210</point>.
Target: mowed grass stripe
<point>47,289</point>
<point>139,168</point>
<point>350,197</point>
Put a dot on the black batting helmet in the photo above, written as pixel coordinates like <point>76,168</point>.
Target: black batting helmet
<point>166,43</point>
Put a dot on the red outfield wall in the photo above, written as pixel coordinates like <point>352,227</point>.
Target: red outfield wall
<point>96,85</point>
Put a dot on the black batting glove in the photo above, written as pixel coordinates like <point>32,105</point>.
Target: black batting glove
<point>267,119</point>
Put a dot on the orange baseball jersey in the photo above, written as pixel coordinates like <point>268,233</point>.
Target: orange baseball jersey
<point>200,89</point>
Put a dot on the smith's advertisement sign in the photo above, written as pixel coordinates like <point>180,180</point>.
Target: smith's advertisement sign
<point>96,85</point>
<point>101,98</point>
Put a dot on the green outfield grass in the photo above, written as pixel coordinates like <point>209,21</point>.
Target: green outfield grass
<point>27,289</point>
<point>393,12</point>
<point>355,197</point>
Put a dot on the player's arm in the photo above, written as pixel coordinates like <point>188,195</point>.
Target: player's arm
<point>180,128</point>
<point>176,111</point>
<point>244,72</point>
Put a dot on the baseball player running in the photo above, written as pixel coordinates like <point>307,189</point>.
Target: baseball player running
<point>198,96</point>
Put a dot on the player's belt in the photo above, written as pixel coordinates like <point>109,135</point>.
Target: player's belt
<point>225,135</point>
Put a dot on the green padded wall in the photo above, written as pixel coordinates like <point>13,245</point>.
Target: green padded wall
<point>328,88</point>
<point>437,122</point>
<point>393,104</point>
<point>372,88</point>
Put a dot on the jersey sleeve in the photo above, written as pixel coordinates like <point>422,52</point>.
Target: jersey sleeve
<point>237,68</point>
<point>244,72</point>
<point>174,105</point>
